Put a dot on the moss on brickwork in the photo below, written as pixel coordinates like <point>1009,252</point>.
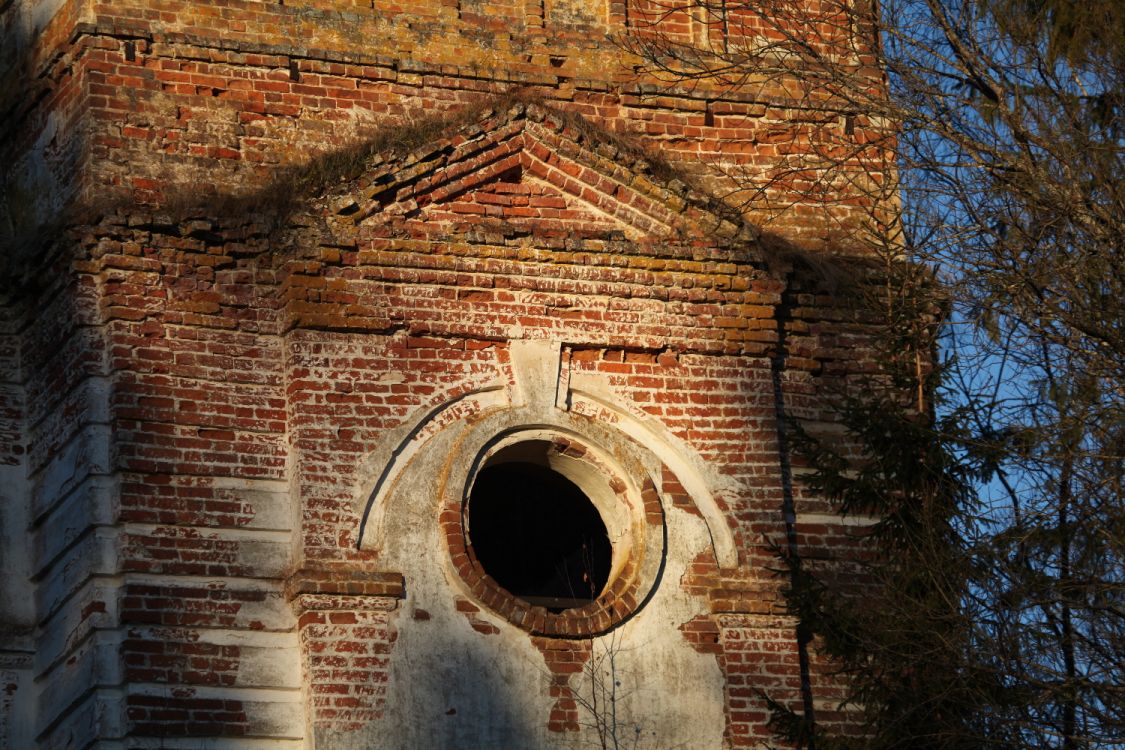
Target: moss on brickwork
<point>310,263</point>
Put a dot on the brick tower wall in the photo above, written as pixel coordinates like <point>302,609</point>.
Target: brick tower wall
<point>239,382</point>
<point>159,102</point>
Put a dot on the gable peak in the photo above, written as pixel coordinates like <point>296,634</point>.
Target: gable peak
<point>559,172</point>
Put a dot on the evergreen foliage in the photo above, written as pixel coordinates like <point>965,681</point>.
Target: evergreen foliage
<point>993,613</point>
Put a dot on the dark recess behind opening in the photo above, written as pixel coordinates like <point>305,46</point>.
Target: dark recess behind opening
<point>538,536</point>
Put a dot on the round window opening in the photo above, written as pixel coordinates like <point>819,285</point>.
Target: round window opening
<point>537,534</point>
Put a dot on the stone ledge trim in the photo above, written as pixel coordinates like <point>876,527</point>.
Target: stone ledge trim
<point>313,588</point>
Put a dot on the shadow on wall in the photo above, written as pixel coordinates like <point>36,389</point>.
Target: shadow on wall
<point>452,692</point>
<point>14,77</point>
<point>39,149</point>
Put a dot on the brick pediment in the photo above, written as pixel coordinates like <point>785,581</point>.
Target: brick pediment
<point>535,171</point>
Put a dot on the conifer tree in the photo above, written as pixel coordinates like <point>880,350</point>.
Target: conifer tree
<point>996,617</point>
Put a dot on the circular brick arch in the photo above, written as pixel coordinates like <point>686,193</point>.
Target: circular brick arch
<point>682,482</point>
<point>616,484</point>
<point>647,470</point>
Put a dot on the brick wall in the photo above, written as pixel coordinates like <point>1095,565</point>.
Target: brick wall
<point>162,102</point>
<point>199,379</point>
<point>349,644</point>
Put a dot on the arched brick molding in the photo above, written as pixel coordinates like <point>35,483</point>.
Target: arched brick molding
<point>541,393</point>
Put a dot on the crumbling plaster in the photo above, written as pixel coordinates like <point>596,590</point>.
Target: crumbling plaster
<point>445,675</point>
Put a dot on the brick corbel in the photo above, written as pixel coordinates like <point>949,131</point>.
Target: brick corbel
<point>344,580</point>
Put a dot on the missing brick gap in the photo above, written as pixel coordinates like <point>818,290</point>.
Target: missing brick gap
<point>294,74</point>
<point>130,50</point>
<point>513,175</point>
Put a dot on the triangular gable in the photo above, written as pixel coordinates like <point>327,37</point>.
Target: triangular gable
<point>523,201</point>
<point>533,169</point>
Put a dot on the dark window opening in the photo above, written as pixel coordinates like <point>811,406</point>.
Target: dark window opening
<point>537,534</point>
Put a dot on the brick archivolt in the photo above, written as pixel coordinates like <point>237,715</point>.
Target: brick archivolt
<point>621,461</point>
